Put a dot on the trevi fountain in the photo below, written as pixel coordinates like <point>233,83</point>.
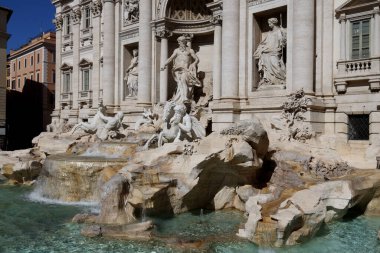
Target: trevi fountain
<point>170,182</point>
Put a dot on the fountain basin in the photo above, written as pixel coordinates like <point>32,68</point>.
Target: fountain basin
<point>72,178</point>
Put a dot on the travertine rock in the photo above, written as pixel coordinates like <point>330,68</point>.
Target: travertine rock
<point>224,198</point>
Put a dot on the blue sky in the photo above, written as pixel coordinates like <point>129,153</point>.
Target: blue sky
<point>29,18</point>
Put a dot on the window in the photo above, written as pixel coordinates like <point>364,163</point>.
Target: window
<point>8,84</point>
<point>67,25</point>
<point>38,58</point>
<point>19,65</point>
<point>85,80</point>
<point>31,61</point>
<point>66,82</point>
<point>38,77</point>
<point>361,39</point>
<point>358,127</point>
<point>24,80</point>
<point>87,18</point>
<point>13,84</point>
<point>25,62</point>
<point>31,77</point>
<point>18,83</point>
<point>53,76</point>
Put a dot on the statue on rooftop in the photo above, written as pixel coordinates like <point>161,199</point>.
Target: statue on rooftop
<point>270,52</point>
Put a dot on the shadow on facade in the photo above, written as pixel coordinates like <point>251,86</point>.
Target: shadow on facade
<point>28,113</point>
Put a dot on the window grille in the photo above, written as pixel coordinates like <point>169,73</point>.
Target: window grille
<point>358,127</point>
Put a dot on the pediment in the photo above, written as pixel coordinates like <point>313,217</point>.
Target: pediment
<point>357,6</point>
<point>66,67</point>
<point>85,63</point>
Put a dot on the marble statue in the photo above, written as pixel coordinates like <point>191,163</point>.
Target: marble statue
<point>270,54</point>
<point>147,119</point>
<point>101,125</point>
<point>92,126</point>
<point>178,125</point>
<point>131,75</point>
<point>111,127</point>
<point>184,71</point>
<point>131,11</point>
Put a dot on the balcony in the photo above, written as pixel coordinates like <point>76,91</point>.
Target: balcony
<point>358,70</point>
<point>86,36</point>
<point>85,98</point>
<point>66,97</point>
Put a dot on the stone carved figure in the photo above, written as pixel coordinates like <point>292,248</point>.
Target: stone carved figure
<point>292,119</point>
<point>131,11</point>
<point>58,126</point>
<point>131,75</point>
<point>184,71</point>
<point>147,119</point>
<point>270,54</point>
<point>101,125</point>
<point>178,125</point>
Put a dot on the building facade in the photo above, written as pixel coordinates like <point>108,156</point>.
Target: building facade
<point>34,61</point>
<point>252,55</point>
<point>5,15</point>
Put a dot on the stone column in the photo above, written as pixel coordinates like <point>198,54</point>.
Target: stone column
<point>164,34</point>
<point>108,78</point>
<point>76,18</point>
<point>230,50</point>
<point>96,8</point>
<point>343,23</point>
<point>58,62</point>
<point>144,96</point>
<point>217,64</point>
<point>377,32</point>
<point>303,45</point>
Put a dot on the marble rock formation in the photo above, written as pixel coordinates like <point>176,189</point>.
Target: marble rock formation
<point>171,180</point>
<point>21,166</point>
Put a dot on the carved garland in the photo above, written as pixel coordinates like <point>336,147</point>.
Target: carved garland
<point>96,7</point>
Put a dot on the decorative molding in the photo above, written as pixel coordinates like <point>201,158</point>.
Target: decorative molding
<point>76,15</point>
<point>58,22</point>
<point>66,67</point>
<point>96,8</point>
<point>257,2</point>
<point>131,12</point>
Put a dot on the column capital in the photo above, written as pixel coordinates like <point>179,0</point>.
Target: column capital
<point>58,22</point>
<point>76,15</point>
<point>376,10</point>
<point>96,8</point>
<point>217,19</point>
<point>108,1</point>
<point>163,33</point>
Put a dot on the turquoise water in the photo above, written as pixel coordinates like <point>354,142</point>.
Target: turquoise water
<point>27,226</point>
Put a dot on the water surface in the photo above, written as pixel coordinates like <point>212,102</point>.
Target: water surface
<point>27,226</point>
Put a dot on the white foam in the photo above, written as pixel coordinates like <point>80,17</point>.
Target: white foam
<point>35,196</point>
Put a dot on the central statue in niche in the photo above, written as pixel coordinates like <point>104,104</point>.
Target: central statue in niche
<point>184,71</point>
<point>270,53</point>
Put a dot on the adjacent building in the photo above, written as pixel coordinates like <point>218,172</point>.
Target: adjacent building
<point>252,55</point>
<point>34,61</point>
<point>5,15</point>
<point>30,89</point>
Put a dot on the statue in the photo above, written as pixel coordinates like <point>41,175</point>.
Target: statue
<point>147,119</point>
<point>131,75</point>
<point>101,125</point>
<point>184,71</point>
<point>131,11</point>
<point>178,125</point>
<point>270,54</point>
